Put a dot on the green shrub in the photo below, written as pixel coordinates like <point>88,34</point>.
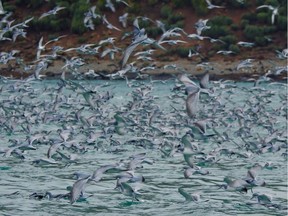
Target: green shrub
<point>200,6</point>
<point>234,48</point>
<point>269,29</point>
<point>274,3</point>
<point>261,41</point>
<point>36,3</point>
<point>166,11</point>
<point>236,4</point>
<point>260,2</point>
<point>282,11</point>
<point>263,17</point>
<point>153,31</point>
<point>221,20</point>
<point>229,39</point>
<point>216,31</point>
<point>282,23</point>
<point>179,24</point>
<point>175,18</point>
<point>251,17</point>
<point>234,27</point>
<point>135,8</point>
<point>9,7</point>
<point>144,23</point>
<point>101,4</point>
<point>181,3</point>
<point>20,2</point>
<point>77,25</point>
<point>251,32</point>
<point>182,51</point>
<point>152,2</point>
<point>244,23</point>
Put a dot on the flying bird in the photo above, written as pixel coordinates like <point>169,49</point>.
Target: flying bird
<point>211,6</point>
<point>273,9</point>
<point>51,12</point>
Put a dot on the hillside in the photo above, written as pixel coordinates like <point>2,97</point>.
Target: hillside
<point>233,23</point>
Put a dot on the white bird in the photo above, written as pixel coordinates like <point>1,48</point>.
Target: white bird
<point>110,5</point>
<point>52,12</point>
<point>138,38</point>
<point>245,44</point>
<point>190,54</point>
<point>2,11</point>
<point>193,95</point>
<point>244,64</point>
<point>78,189</point>
<point>89,16</point>
<point>273,9</point>
<point>124,2</point>
<point>225,52</point>
<point>282,54</point>
<point>201,25</point>
<point>123,19</point>
<point>41,47</point>
<point>211,6</point>
<point>108,24</point>
<point>196,37</point>
<point>189,197</point>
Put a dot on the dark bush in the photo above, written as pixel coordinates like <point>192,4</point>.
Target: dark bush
<point>34,4</point>
<point>175,18</point>
<point>234,48</point>
<point>251,32</point>
<point>236,4</point>
<point>101,5</point>
<point>282,23</point>
<point>166,11</point>
<point>135,8</point>
<point>152,2</point>
<point>200,6</point>
<point>216,31</point>
<point>282,11</point>
<point>153,31</point>
<point>274,3</point>
<point>181,3</point>
<point>234,27</point>
<point>77,25</point>
<point>263,17</point>
<point>10,7</point>
<point>181,51</point>
<point>21,2</point>
<point>260,2</point>
<point>229,39</point>
<point>244,23</point>
<point>261,41</point>
<point>179,24</point>
<point>220,20</point>
<point>251,17</point>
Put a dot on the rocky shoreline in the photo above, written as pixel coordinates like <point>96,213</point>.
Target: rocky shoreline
<point>217,69</point>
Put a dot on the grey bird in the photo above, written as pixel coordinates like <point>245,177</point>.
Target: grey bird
<point>78,189</point>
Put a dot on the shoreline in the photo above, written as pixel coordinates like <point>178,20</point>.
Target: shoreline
<point>219,69</point>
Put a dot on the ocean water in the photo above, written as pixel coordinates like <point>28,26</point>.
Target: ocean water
<point>148,117</point>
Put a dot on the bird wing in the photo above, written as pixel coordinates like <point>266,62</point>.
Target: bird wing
<point>77,189</point>
<point>204,82</point>
<point>130,49</point>
<point>192,103</point>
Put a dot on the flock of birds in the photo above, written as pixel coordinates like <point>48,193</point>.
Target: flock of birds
<point>107,47</point>
<point>204,123</point>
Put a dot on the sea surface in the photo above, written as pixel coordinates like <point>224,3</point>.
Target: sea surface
<point>111,122</point>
